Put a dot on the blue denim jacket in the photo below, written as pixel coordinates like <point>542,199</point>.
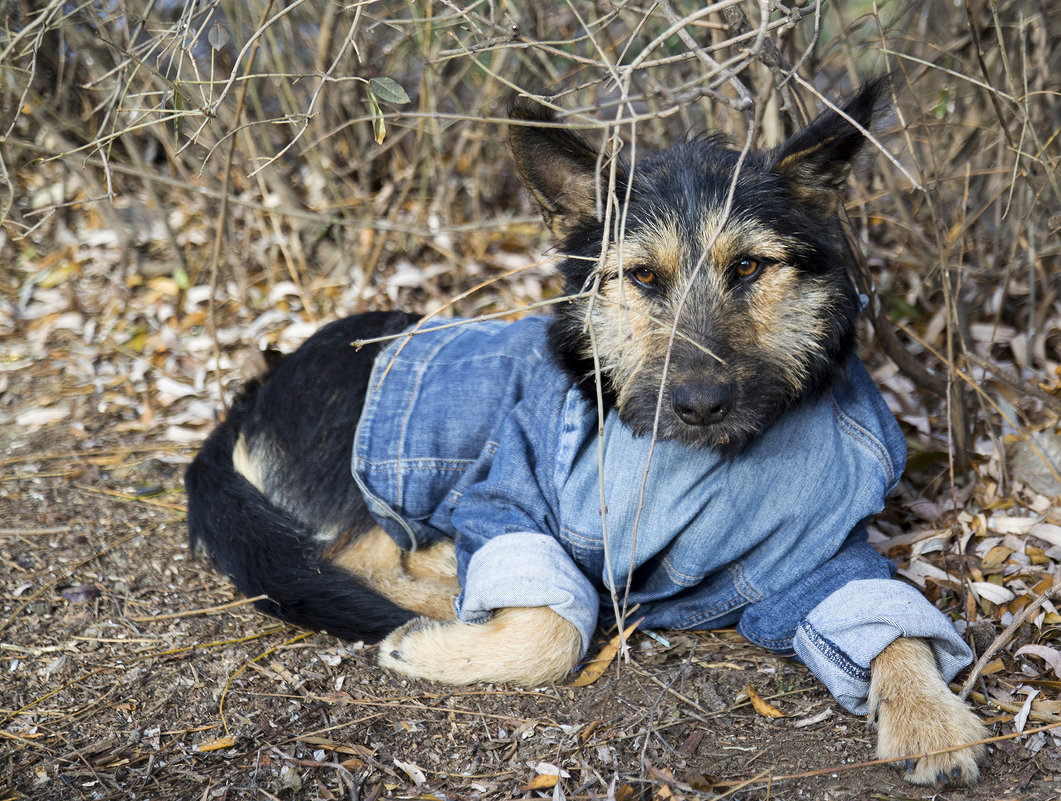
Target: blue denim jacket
<point>471,431</point>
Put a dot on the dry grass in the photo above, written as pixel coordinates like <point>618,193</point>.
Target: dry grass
<point>179,178</point>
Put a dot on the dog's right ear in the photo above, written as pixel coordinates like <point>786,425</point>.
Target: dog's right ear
<point>559,167</point>
<point>816,161</point>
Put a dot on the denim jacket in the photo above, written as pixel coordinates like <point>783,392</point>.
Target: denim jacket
<point>471,431</point>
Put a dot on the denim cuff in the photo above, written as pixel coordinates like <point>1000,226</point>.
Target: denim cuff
<point>525,569</point>
<point>844,633</point>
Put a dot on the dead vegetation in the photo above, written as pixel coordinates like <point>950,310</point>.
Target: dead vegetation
<point>179,180</point>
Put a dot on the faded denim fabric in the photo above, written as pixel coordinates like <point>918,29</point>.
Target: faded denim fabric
<point>470,431</point>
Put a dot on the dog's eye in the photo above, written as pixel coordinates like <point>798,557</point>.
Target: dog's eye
<point>748,267</point>
<point>644,276</point>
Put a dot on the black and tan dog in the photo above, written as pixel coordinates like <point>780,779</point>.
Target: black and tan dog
<point>708,294</point>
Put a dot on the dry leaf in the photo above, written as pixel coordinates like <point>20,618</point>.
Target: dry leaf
<point>543,781</point>
<point>996,556</point>
<point>1022,717</point>
<point>548,769</point>
<point>994,666</point>
<point>764,708</point>
<point>595,668</point>
<point>413,771</point>
<point>216,745</point>
<point>1051,656</point>
<point>992,592</point>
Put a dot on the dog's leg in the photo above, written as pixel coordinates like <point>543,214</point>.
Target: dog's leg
<point>521,645</point>
<point>423,581</point>
<point>439,561</point>
<point>916,712</point>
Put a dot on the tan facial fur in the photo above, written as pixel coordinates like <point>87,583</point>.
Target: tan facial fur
<point>779,319</point>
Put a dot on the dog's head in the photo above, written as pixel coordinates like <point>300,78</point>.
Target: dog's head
<point>711,291</point>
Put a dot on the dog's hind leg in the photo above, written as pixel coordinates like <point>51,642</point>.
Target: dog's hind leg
<point>423,581</point>
<point>916,712</point>
<point>439,561</point>
<point>522,645</point>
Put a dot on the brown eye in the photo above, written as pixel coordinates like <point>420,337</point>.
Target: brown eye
<point>644,276</point>
<point>748,267</point>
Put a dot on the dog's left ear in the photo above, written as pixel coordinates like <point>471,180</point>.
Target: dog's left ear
<point>559,168</point>
<point>817,160</point>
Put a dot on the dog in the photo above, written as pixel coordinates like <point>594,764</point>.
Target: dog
<point>507,479</point>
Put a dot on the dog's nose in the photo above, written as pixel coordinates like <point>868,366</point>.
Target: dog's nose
<point>702,404</point>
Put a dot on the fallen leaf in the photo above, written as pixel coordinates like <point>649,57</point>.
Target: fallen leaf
<point>1051,656</point>
<point>1022,717</point>
<point>548,769</point>
<point>764,708</point>
<point>992,592</point>
<point>32,419</point>
<point>216,745</point>
<point>543,781</point>
<point>595,668</point>
<point>996,556</point>
<point>413,771</point>
<point>1006,524</point>
<point>813,718</point>
<point>1047,532</point>
<point>80,593</point>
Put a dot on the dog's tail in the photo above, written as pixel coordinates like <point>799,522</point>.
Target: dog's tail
<point>266,551</point>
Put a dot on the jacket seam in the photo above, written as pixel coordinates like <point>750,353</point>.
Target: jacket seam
<point>871,443</point>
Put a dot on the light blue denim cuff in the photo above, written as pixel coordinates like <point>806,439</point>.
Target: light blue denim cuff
<point>841,636</point>
<point>524,569</point>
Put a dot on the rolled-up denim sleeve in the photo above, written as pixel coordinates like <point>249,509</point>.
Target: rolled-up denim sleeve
<point>842,635</point>
<point>508,551</point>
<point>527,569</point>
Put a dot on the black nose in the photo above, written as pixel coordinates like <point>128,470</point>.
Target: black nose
<point>702,404</point>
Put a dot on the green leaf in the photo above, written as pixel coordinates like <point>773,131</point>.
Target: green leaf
<point>388,90</point>
<point>940,109</point>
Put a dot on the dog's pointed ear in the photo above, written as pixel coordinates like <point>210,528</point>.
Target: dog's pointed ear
<point>559,167</point>
<point>817,160</point>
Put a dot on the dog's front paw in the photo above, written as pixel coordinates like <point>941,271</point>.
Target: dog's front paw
<point>419,650</point>
<point>916,713</point>
<point>527,646</point>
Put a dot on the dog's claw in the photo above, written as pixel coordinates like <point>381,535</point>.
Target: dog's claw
<point>396,655</point>
<point>911,764</point>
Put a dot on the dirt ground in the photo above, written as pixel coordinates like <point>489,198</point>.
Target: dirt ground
<point>131,670</point>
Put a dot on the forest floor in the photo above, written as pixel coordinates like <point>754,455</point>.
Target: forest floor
<point>130,669</point>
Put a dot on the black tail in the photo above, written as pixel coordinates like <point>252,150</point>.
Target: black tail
<point>266,550</point>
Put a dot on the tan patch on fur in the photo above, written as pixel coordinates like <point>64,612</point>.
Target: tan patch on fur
<point>787,308</point>
<point>245,465</point>
<point>521,645</point>
<point>657,246</point>
<point>916,713</point>
<point>434,562</point>
<point>428,589</point>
